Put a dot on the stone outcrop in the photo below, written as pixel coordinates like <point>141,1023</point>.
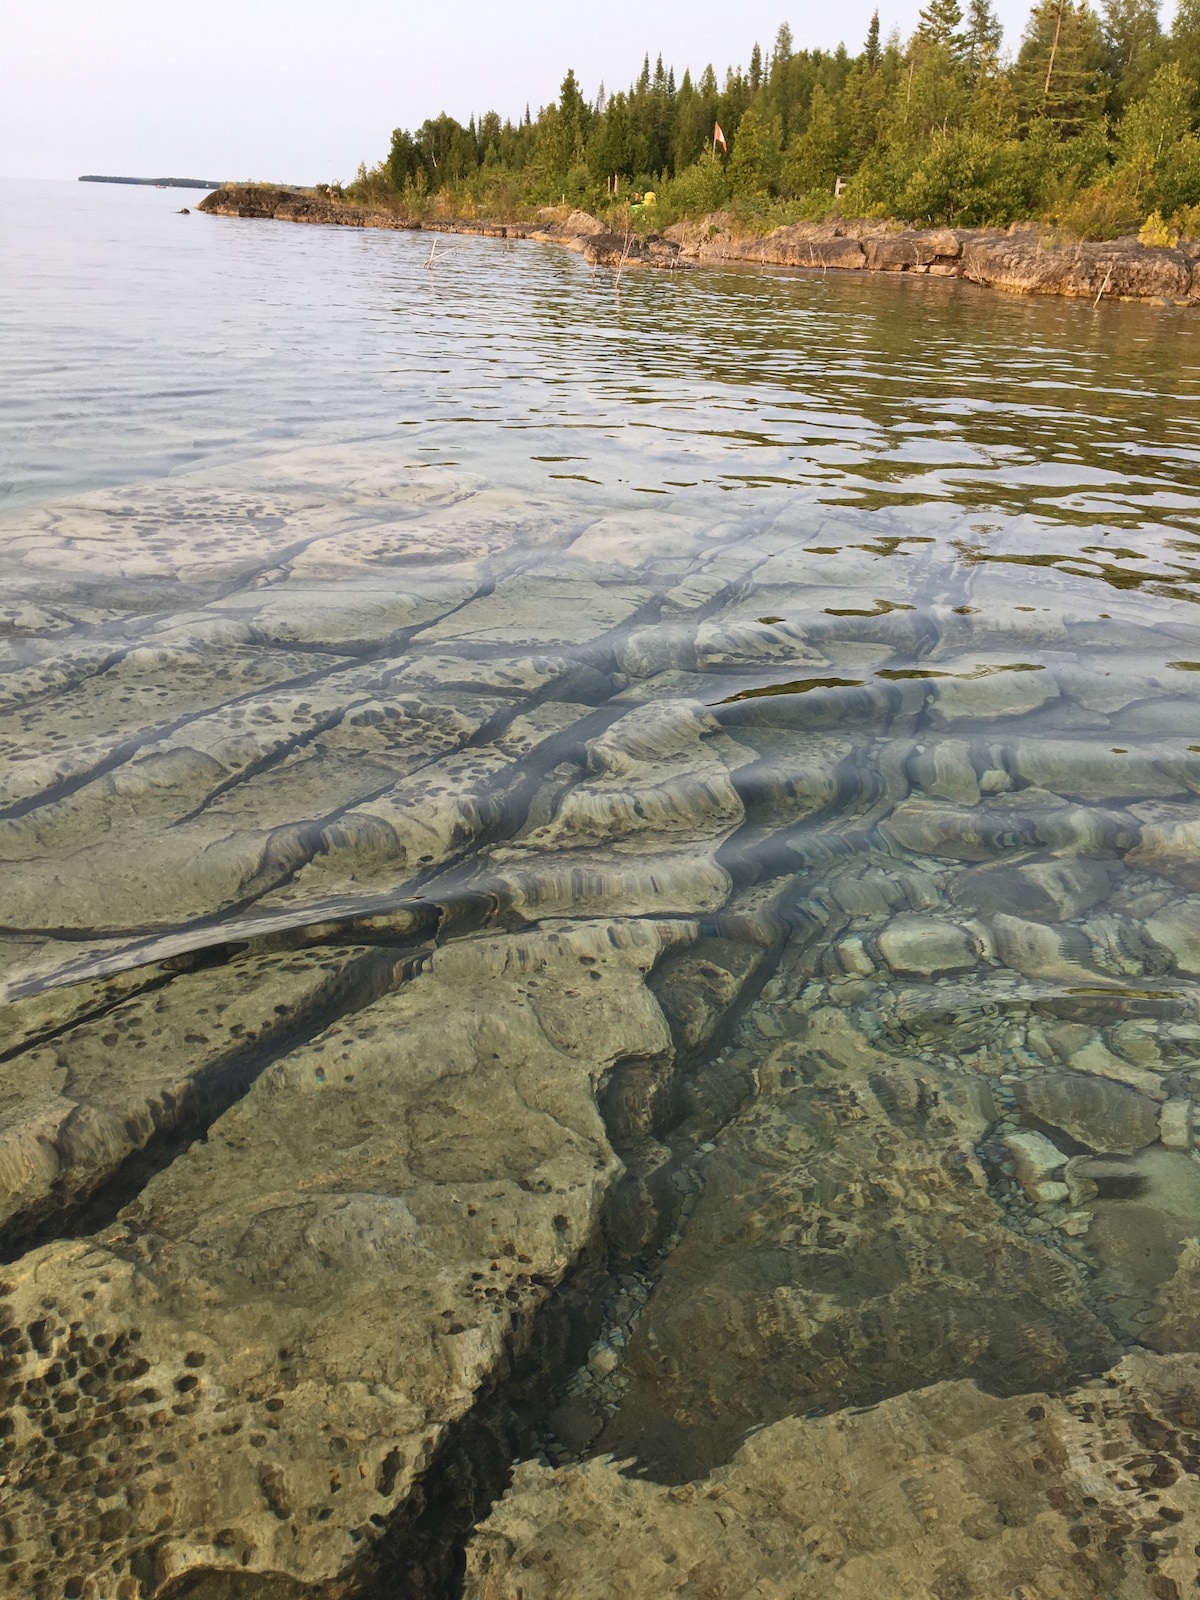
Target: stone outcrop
<point>295,205</point>
<point>605,249</point>
<point>1022,260</point>
<point>1023,263</point>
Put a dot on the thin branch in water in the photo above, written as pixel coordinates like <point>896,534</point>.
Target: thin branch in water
<point>624,256</point>
<point>434,257</point>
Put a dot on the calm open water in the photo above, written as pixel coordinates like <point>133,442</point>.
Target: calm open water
<point>840,629</point>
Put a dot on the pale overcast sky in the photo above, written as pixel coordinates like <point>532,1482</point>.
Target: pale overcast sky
<point>303,93</point>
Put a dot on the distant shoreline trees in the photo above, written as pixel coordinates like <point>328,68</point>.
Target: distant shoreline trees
<point>1091,122</point>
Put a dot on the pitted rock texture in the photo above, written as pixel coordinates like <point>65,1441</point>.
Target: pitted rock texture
<point>942,1491</point>
<point>73,1109</point>
<point>214,1383</point>
<point>770,920</point>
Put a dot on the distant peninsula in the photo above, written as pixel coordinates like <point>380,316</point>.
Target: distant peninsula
<point>157,183</point>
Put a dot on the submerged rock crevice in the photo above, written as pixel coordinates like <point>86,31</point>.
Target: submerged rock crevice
<point>709,990</point>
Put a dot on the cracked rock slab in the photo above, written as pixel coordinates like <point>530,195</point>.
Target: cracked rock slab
<point>248,1372</point>
<point>944,1491</point>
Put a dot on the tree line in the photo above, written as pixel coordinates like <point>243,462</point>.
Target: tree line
<point>1091,122</point>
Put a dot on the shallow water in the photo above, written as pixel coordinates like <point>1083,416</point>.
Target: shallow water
<point>811,656</point>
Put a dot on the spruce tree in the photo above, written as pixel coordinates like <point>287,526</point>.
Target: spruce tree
<point>756,69</point>
<point>1185,38</point>
<point>982,35</point>
<point>940,23</point>
<point>871,48</point>
<point>1057,73</point>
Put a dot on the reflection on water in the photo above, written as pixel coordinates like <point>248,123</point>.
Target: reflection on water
<point>712,768</point>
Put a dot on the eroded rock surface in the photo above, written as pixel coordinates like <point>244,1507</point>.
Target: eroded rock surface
<point>747,967</point>
<point>941,1491</point>
<point>215,1384</point>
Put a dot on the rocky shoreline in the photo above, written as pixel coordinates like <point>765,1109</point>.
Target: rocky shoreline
<point>1021,260</point>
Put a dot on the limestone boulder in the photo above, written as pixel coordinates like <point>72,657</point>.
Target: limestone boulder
<point>927,947</point>
<point>1096,1112</point>
<point>1053,890</point>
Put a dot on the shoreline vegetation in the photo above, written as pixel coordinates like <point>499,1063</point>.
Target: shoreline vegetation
<point>1068,164</point>
<point>1091,125</point>
<point>1023,259</point>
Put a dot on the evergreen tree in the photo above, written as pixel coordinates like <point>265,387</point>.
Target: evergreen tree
<point>1130,29</point>
<point>859,109</point>
<point>1132,39</point>
<point>1057,72</point>
<point>754,161</point>
<point>812,157</point>
<point>611,151</point>
<point>982,36</point>
<point>940,24</point>
<point>941,130</point>
<point>871,48</point>
<point>572,125</point>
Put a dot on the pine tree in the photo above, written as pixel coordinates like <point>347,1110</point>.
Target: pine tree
<point>1057,73</point>
<point>1132,36</point>
<point>871,48</point>
<point>982,35</point>
<point>756,69</point>
<point>940,24</point>
<point>1185,37</point>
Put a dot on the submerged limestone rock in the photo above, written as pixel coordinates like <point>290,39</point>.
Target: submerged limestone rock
<point>74,1109</point>
<point>445,925</point>
<point>254,1365</point>
<point>927,947</point>
<point>1093,1111</point>
<point>841,1248</point>
<point>1090,1496</point>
